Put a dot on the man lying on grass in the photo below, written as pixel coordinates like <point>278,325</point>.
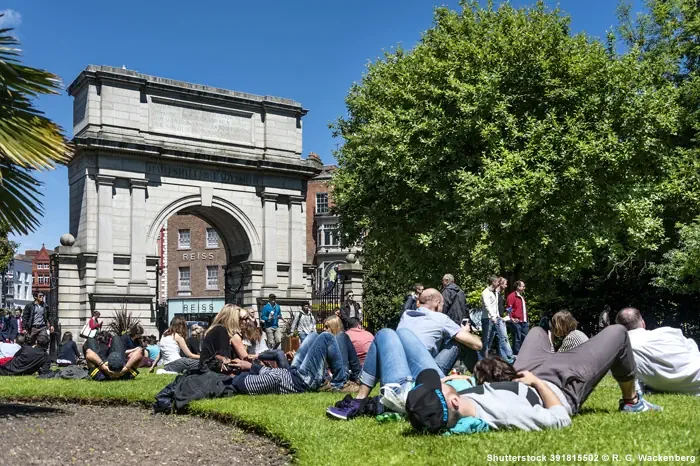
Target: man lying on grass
<point>666,360</point>
<point>563,382</point>
<point>545,397</point>
<point>307,371</point>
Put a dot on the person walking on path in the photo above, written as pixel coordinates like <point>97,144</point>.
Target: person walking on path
<point>36,318</point>
<point>270,317</point>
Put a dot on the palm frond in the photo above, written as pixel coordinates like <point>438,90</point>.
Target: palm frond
<point>28,140</point>
<point>122,321</point>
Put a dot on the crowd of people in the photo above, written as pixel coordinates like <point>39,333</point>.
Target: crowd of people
<point>539,382</point>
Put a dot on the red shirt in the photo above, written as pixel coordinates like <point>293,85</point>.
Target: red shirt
<point>516,302</point>
<point>361,340</point>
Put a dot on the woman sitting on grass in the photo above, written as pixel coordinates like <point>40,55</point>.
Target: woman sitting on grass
<point>171,344</point>
<point>194,342</point>
<point>333,324</point>
<point>564,330</point>
<point>68,353</point>
<point>217,348</point>
<point>151,350</point>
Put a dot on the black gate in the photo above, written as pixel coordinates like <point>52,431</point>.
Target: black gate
<point>325,300</point>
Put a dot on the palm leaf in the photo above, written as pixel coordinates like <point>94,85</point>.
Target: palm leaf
<point>122,321</point>
<point>28,140</point>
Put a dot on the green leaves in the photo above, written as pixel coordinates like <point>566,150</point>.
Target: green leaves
<point>503,144</point>
<point>28,140</point>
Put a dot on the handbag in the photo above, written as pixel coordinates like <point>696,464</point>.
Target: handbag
<point>88,332</point>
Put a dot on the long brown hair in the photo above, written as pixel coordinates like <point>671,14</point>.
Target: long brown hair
<point>229,318</point>
<point>563,323</point>
<point>177,326</point>
<point>494,369</point>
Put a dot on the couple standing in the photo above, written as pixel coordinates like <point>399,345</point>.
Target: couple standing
<point>497,311</point>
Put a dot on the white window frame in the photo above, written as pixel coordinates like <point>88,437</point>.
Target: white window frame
<point>184,284</point>
<point>180,243</point>
<point>214,235</point>
<point>212,281</point>
<point>322,207</point>
<point>332,231</point>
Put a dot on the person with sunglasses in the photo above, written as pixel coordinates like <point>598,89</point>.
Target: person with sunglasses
<point>36,318</point>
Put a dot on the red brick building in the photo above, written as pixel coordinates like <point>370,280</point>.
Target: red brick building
<point>41,269</point>
<point>322,243</point>
<point>193,259</point>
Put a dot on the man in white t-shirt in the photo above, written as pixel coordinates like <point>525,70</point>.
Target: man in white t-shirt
<point>666,360</point>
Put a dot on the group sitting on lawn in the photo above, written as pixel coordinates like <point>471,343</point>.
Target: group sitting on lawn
<point>540,387</point>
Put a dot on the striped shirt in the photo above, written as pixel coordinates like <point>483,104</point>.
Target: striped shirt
<point>269,381</point>
<point>572,340</point>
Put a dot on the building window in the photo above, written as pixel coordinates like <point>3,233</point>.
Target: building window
<point>212,238</point>
<point>328,235</point>
<point>183,239</point>
<point>42,266</point>
<point>26,293</point>
<point>212,277</point>
<point>43,279</point>
<point>321,203</point>
<point>184,277</point>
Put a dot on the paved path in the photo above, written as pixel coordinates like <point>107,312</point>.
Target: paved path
<point>64,434</point>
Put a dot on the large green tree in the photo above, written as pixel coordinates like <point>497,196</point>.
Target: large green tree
<point>503,143</point>
<point>28,140</point>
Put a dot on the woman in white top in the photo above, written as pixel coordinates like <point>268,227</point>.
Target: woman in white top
<point>171,344</point>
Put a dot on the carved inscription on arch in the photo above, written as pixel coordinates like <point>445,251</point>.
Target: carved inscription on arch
<point>200,121</point>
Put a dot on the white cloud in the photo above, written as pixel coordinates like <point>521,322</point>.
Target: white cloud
<point>11,19</point>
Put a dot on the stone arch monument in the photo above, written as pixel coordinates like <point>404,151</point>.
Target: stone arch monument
<point>148,148</point>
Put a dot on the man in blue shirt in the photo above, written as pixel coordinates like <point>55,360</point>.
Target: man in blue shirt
<point>270,317</point>
<point>443,339</point>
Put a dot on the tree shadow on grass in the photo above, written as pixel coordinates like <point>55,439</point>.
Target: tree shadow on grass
<point>11,410</point>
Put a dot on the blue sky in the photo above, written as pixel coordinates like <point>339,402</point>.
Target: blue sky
<point>310,51</point>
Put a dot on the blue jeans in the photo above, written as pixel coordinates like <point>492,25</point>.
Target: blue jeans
<point>395,357</point>
<point>303,335</point>
<point>520,330</point>
<point>313,355</point>
<point>489,329</point>
<point>450,352</point>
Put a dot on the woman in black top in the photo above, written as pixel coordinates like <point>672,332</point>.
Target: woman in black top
<point>68,352</point>
<point>217,351</point>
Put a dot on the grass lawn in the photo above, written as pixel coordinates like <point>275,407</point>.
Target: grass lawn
<point>299,422</point>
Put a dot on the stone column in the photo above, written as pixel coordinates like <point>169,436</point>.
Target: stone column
<point>104,282</point>
<point>137,280</point>
<point>297,247</point>
<point>270,241</point>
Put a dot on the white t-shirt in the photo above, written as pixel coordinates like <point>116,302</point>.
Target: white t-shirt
<point>169,350</point>
<point>666,360</point>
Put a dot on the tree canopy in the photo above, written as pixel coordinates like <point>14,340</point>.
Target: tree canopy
<point>503,143</point>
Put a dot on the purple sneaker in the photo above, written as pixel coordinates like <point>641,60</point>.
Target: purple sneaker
<point>347,410</point>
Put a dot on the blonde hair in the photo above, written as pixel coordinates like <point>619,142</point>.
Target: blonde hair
<point>229,318</point>
<point>563,323</point>
<point>334,324</point>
